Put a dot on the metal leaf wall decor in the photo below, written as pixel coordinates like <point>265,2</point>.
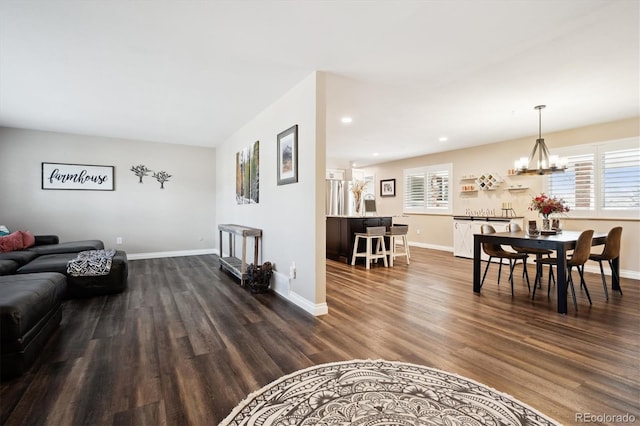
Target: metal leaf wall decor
<point>141,171</point>
<point>162,177</point>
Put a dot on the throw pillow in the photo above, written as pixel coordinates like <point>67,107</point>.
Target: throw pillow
<point>28,239</point>
<point>4,230</point>
<point>11,242</point>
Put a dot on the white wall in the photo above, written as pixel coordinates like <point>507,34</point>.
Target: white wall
<point>290,216</point>
<point>179,219</point>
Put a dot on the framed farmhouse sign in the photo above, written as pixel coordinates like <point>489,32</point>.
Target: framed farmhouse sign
<point>77,176</point>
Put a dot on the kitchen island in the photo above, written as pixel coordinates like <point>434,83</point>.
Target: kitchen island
<point>341,232</point>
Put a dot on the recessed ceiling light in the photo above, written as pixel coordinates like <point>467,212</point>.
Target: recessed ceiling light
<point>346,120</point>
<point>443,139</point>
<point>375,154</point>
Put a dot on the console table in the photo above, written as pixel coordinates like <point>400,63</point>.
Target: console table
<point>238,266</point>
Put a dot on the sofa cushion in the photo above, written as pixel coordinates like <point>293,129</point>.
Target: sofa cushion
<point>22,257</point>
<point>8,267</point>
<point>11,242</point>
<point>25,300</point>
<point>68,247</point>
<point>82,286</point>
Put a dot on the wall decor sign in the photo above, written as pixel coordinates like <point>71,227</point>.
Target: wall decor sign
<point>388,188</point>
<point>288,156</point>
<point>77,176</point>
<point>248,174</point>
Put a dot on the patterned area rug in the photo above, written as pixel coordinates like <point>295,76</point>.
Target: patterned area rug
<point>374,393</point>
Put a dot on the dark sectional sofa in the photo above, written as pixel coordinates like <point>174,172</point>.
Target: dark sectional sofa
<point>33,284</point>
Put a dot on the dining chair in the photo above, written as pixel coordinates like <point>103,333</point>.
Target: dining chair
<point>611,251</point>
<point>579,257</point>
<point>495,250</point>
<point>537,252</point>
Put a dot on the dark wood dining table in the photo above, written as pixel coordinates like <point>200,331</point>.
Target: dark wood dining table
<point>560,243</point>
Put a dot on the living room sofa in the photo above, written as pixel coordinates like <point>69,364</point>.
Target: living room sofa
<point>30,311</point>
<point>48,254</point>
<point>33,283</point>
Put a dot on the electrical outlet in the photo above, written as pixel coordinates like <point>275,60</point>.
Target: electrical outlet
<point>418,231</point>
<point>119,240</point>
<point>292,271</point>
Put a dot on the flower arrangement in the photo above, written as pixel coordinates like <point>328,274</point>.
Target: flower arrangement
<point>546,205</point>
<point>359,186</point>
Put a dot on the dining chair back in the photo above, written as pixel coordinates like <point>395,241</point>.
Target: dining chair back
<point>610,252</point>
<point>495,250</point>
<point>537,252</point>
<point>578,259</point>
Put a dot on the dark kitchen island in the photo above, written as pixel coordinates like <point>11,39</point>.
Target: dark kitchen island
<point>341,232</point>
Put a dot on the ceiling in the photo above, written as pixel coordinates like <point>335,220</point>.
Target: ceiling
<point>407,72</point>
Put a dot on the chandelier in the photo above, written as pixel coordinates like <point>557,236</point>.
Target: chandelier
<point>542,163</point>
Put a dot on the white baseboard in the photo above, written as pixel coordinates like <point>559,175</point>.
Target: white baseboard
<point>159,254</point>
<point>430,246</point>
<point>281,285</point>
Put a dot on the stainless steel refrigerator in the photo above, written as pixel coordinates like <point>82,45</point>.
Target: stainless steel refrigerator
<point>335,197</point>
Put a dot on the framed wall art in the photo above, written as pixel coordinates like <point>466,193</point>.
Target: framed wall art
<point>77,176</point>
<point>288,156</point>
<point>388,188</point>
<point>248,174</point>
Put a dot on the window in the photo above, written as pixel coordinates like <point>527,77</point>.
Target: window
<point>427,189</point>
<point>601,180</point>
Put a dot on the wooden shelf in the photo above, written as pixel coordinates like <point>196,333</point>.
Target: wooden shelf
<point>519,188</point>
<point>238,266</point>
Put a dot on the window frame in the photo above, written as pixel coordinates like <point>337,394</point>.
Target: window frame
<point>597,149</point>
<point>426,170</point>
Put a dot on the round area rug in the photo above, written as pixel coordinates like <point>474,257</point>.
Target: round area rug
<point>374,393</point>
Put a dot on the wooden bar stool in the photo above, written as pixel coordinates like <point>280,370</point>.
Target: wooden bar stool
<point>374,234</point>
<point>398,231</point>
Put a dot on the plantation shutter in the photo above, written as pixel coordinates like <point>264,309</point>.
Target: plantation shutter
<point>438,189</point>
<point>620,177</point>
<point>414,190</point>
<point>577,184</point>
<point>426,189</point>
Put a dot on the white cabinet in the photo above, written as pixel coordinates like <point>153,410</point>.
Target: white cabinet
<point>464,229</point>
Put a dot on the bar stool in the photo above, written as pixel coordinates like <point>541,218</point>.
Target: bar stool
<point>398,231</point>
<point>374,233</point>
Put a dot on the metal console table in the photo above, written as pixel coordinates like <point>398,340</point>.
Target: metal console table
<point>231,263</point>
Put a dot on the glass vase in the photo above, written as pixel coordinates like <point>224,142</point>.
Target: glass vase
<point>546,223</point>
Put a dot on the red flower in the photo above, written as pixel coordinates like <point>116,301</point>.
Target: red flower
<point>546,205</point>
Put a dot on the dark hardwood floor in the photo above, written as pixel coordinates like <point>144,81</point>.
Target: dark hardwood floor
<point>185,343</point>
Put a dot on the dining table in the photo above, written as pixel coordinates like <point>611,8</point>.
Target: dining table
<point>561,243</point>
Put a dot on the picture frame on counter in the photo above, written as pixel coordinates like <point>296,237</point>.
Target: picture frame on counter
<point>288,156</point>
<point>387,187</point>
<point>83,177</point>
